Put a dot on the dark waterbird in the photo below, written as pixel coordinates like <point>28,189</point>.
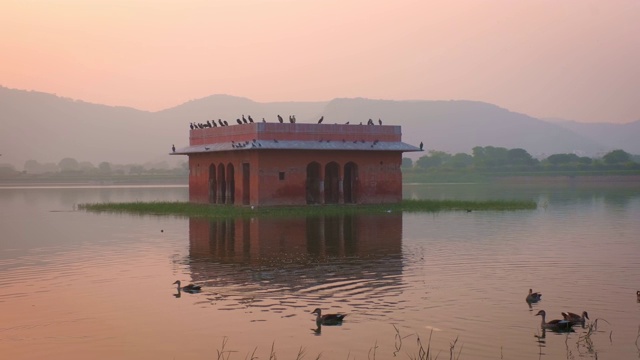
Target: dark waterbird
<point>190,288</point>
<point>328,319</point>
<point>533,296</point>
<point>575,318</point>
<point>556,325</point>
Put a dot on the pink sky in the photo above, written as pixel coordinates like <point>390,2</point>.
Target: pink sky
<point>572,59</point>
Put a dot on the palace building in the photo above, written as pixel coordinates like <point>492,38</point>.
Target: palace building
<point>269,164</point>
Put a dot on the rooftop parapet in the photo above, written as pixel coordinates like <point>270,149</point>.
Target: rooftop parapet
<point>294,132</point>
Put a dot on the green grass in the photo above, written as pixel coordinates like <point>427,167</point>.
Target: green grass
<point>187,209</point>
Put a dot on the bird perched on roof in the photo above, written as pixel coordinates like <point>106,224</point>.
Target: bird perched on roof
<point>379,121</point>
<point>280,119</point>
<point>173,147</point>
<point>250,118</point>
<point>239,121</point>
<point>263,120</point>
<point>421,145</point>
<point>320,121</point>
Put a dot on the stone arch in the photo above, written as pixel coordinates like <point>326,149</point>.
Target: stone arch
<point>231,184</point>
<point>313,183</point>
<point>222,185</point>
<point>332,183</point>
<point>212,184</point>
<point>350,182</point>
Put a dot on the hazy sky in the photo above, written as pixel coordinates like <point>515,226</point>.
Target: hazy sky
<point>573,59</point>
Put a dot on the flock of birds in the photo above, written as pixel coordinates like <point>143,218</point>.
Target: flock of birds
<point>326,319</point>
<point>569,319</point>
<point>249,120</point>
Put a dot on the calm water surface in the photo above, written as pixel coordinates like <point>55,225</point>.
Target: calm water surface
<point>77,285</point>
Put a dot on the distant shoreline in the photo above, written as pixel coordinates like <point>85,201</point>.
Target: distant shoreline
<point>629,179</point>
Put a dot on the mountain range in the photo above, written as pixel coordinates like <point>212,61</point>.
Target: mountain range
<point>47,128</point>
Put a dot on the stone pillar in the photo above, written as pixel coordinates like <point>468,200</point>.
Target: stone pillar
<point>340,191</point>
<point>321,185</point>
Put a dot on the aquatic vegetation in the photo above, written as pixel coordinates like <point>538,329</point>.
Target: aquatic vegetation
<point>421,351</point>
<point>188,209</point>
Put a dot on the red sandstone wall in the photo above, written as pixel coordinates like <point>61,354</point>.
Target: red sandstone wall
<point>379,177</point>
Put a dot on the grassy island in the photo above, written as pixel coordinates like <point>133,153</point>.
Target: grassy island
<point>188,209</point>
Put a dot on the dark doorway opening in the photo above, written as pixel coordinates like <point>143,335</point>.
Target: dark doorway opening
<point>313,183</point>
<point>349,182</point>
<point>332,183</point>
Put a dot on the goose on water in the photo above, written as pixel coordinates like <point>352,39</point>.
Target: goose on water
<point>554,324</point>
<point>533,296</point>
<point>575,318</point>
<point>189,287</point>
<point>328,319</point>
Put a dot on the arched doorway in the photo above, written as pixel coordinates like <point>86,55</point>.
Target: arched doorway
<point>231,183</point>
<point>212,184</point>
<point>313,183</point>
<point>331,183</point>
<point>349,182</point>
<point>222,185</point>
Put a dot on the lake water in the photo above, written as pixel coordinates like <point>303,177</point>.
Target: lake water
<point>78,285</point>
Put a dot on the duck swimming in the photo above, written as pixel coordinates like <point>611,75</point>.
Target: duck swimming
<point>533,296</point>
<point>191,288</point>
<point>575,318</point>
<point>556,325</point>
<point>328,319</point>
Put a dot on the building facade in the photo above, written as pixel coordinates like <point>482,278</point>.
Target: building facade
<point>268,164</point>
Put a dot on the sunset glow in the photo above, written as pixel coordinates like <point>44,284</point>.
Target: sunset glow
<point>574,59</point>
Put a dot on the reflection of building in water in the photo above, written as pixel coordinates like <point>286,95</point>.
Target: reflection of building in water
<point>255,239</point>
<point>297,252</point>
<point>295,164</point>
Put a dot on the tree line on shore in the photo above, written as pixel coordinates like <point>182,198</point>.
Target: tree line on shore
<point>490,158</point>
<point>72,167</point>
<point>487,158</point>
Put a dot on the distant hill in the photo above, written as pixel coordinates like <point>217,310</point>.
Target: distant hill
<point>46,128</point>
<point>458,126</point>
<point>614,136</point>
